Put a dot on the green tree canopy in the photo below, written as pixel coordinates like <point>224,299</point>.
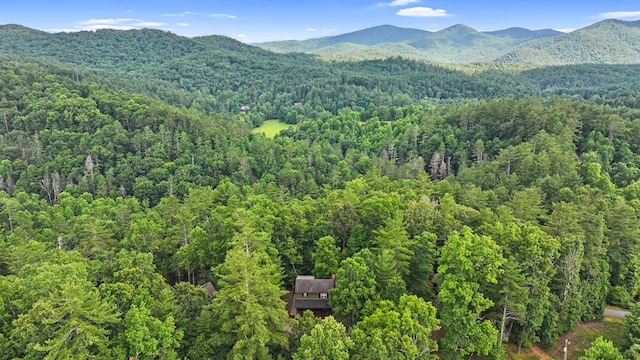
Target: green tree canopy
<point>327,341</point>
<point>601,349</point>
<point>397,332</point>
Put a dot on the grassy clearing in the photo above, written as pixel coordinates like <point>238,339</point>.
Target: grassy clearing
<point>271,128</point>
<point>610,328</point>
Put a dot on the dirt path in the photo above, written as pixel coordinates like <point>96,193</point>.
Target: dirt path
<point>539,353</point>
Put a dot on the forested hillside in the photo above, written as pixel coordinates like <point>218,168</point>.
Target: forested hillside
<point>605,42</point>
<point>455,44</point>
<point>460,207</point>
<point>219,74</point>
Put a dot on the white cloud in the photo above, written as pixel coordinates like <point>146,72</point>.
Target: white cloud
<point>105,21</point>
<point>112,23</point>
<point>619,15</point>
<point>422,12</point>
<point>311,29</point>
<point>182,24</point>
<point>566,30</point>
<point>241,36</point>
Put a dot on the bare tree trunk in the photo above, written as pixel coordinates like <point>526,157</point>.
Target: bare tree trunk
<point>503,320</point>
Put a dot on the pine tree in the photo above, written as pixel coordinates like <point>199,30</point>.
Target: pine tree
<point>394,239</point>
<point>249,306</point>
<point>72,323</point>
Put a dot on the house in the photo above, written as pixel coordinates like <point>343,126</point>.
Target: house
<point>312,294</point>
<point>210,289</point>
<point>245,109</point>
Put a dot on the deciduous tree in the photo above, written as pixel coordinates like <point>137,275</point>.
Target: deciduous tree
<point>466,260</point>
<point>327,341</point>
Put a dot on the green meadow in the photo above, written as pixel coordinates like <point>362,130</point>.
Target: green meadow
<point>271,128</point>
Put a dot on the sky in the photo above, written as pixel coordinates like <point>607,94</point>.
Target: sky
<point>254,21</point>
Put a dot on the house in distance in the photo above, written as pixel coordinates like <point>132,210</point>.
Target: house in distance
<point>312,294</point>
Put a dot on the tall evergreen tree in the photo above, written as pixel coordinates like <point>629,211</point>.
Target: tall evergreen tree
<point>394,239</point>
<point>248,305</point>
<point>72,323</point>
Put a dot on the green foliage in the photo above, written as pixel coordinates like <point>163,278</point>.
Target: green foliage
<point>147,337</point>
<point>601,349</point>
<point>397,332</point>
<point>393,238</point>
<point>115,207</point>
<point>355,285</point>
<point>248,307</point>
<point>466,261</point>
<point>585,46</point>
<point>326,258</point>
<point>462,44</point>
<point>327,341</point>
<point>189,300</point>
<point>74,322</point>
<point>631,330</point>
<point>302,325</point>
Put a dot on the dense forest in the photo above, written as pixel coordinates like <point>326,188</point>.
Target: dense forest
<point>218,74</point>
<point>504,210</point>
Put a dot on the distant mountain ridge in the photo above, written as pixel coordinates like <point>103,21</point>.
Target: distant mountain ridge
<point>605,42</point>
<point>602,43</point>
<point>522,33</point>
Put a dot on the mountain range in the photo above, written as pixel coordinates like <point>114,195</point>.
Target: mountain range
<point>605,42</point>
<point>219,74</point>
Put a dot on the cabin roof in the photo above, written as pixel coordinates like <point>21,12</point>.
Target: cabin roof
<point>311,285</point>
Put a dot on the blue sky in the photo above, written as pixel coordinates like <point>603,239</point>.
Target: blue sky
<point>268,20</point>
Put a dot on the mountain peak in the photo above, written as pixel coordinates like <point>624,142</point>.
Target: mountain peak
<point>614,22</point>
<point>16,27</point>
<point>460,28</point>
<point>520,33</point>
<point>376,35</point>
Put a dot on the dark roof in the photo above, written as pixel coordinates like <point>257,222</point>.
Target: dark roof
<point>311,285</point>
<point>209,288</point>
<point>303,304</point>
